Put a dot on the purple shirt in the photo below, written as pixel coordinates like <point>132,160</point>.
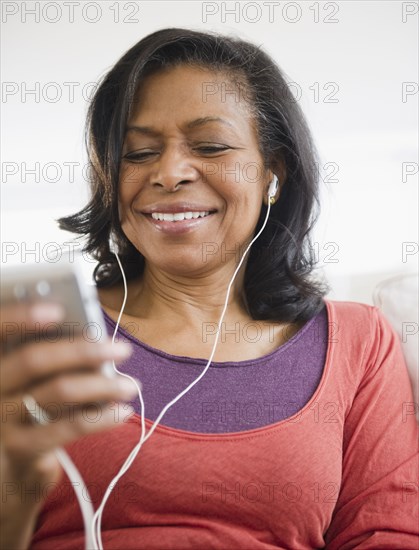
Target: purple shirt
<point>231,396</point>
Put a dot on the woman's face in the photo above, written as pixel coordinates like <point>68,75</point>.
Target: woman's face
<point>191,157</point>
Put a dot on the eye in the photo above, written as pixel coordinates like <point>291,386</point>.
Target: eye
<point>144,155</point>
<point>137,156</point>
<point>211,149</point>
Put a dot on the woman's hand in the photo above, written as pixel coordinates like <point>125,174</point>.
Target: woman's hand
<point>65,379</point>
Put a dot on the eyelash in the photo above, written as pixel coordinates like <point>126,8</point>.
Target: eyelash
<point>138,157</point>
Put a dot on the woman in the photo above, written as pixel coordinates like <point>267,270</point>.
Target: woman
<point>295,437</point>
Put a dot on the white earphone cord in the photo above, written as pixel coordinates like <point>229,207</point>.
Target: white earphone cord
<point>92,521</point>
<point>97,520</point>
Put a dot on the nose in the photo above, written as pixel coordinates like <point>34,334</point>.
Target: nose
<point>173,170</point>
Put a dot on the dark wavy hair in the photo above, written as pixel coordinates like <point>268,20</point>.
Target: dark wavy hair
<point>279,283</point>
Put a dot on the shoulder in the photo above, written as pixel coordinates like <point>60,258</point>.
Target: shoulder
<point>343,308</point>
<point>363,334</point>
<point>357,317</point>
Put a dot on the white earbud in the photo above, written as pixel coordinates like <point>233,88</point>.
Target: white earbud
<point>273,188</point>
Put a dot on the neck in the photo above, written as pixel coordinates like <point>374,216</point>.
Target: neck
<point>160,295</point>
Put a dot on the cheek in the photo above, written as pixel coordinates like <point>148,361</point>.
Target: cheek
<point>128,187</point>
<point>246,196</point>
<point>122,205</point>
<point>126,219</point>
<point>242,212</point>
<point>129,171</point>
<point>130,178</point>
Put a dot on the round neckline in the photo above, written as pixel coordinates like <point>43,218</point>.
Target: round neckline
<point>201,361</point>
<point>263,431</point>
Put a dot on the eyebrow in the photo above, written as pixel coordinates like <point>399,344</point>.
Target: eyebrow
<point>148,130</point>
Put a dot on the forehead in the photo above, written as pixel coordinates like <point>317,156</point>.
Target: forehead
<point>182,93</point>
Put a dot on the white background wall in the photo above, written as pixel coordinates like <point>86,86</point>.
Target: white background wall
<point>361,57</point>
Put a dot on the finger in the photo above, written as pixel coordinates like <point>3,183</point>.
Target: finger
<point>31,442</point>
<point>34,362</point>
<point>68,392</point>
<point>22,318</point>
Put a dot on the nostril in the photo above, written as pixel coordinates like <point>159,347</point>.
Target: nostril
<point>171,188</point>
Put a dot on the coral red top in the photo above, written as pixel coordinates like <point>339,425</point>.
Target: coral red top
<point>341,473</point>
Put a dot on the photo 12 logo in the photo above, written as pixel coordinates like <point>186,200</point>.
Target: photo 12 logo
<point>70,12</point>
<point>270,12</point>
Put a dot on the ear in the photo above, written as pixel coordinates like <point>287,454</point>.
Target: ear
<point>279,171</point>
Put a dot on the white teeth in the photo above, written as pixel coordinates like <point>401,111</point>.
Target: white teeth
<point>178,216</point>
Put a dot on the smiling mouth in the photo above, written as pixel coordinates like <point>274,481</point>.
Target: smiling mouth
<point>179,216</point>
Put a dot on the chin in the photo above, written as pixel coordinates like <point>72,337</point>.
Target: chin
<point>189,262</point>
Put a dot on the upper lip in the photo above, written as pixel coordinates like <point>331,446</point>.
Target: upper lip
<point>176,207</point>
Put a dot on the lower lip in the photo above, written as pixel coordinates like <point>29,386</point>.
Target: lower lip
<point>178,227</point>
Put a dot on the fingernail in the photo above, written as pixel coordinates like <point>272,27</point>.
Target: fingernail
<point>47,312</point>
